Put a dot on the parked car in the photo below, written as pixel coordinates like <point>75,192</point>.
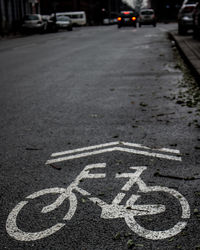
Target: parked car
<point>78,18</point>
<point>185,18</point>
<point>64,22</point>
<point>127,18</point>
<point>34,23</point>
<point>196,21</point>
<point>110,18</point>
<point>147,16</point>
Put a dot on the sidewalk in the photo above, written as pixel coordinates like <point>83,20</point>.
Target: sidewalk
<point>190,49</point>
<point>11,36</point>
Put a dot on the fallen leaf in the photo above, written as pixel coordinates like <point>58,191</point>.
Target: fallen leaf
<point>55,167</point>
<point>83,200</point>
<point>139,245</point>
<point>130,243</point>
<point>117,236</point>
<point>157,174</point>
<point>94,115</point>
<point>143,104</point>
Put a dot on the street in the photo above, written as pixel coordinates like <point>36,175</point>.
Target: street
<point>99,141</point>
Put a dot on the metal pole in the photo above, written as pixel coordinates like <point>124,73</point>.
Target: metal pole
<point>109,9</point>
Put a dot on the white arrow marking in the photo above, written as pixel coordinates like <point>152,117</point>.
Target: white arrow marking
<point>133,151</point>
<point>135,145</point>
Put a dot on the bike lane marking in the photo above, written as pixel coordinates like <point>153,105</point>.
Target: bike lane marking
<point>136,145</point>
<point>109,211</point>
<point>118,146</point>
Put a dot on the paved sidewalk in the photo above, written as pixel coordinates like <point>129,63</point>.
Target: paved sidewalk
<point>11,36</point>
<point>190,49</point>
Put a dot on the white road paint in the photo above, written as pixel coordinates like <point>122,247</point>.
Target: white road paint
<point>11,223</point>
<point>16,233</point>
<point>118,211</point>
<point>85,149</point>
<point>109,211</point>
<point>120,143</point>
<point>128,150</point>
<point>168,150</point>
<point>118,198</point>
<point>133,148</point>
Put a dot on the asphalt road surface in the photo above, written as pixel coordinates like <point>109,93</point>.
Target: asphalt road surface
<point>99,142</point>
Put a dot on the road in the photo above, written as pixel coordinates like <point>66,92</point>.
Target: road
<point>121,112</point>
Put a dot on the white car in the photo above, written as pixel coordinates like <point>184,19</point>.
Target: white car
<point>64,22</point>
<point>34,23</point>
<point>147,16</point>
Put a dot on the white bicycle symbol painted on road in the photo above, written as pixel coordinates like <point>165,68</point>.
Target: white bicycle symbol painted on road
<point>109,211</point>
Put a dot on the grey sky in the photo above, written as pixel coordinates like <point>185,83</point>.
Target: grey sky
<point>132,2</point>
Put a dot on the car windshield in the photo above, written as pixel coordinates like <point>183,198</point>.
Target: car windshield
<point>31,17</point>
<point>45,17</point>
<point>76,16</point>
<point>188,9</point>
<point>63,18</point>
<point>147,12</point>
<point>127,14</point>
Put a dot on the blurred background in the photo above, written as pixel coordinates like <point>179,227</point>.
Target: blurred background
<point>13,11</point>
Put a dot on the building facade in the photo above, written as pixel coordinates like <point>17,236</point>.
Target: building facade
<point>12,12</point>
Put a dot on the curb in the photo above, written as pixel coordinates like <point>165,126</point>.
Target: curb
<point>190,50</point>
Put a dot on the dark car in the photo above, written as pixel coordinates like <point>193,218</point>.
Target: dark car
<point>127,18</point>
<point>185,18</point>
<point>51,23</point>
<point>196,21</point>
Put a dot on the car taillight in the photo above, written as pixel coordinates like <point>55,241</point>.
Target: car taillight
<point>119,19</point>
<point>133,18</point>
